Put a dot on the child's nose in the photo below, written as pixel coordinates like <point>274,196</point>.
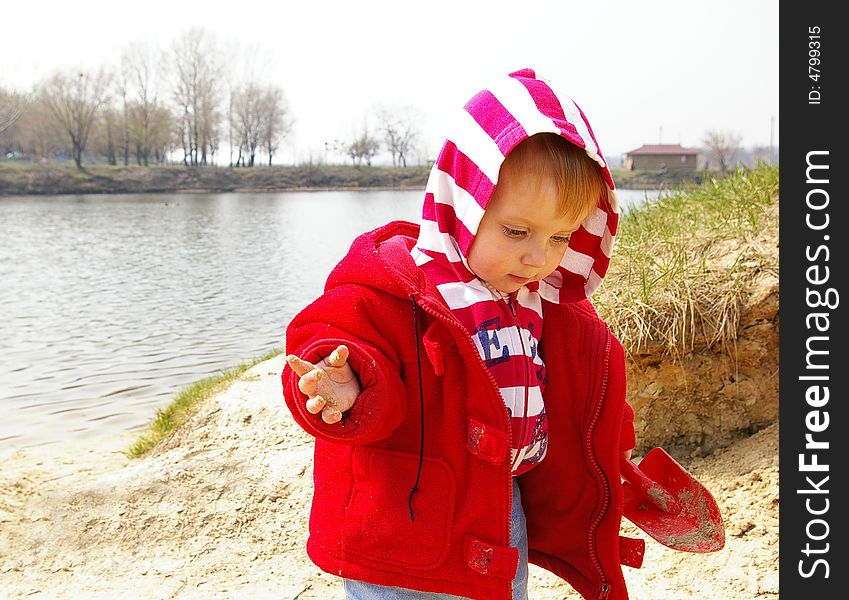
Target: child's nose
<point>534,256</point>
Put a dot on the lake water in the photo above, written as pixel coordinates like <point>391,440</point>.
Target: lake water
<point>110,305</point>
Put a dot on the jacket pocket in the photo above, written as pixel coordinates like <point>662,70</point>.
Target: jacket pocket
<point>377,525</point>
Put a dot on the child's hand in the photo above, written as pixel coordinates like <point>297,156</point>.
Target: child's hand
<point>331,385</point>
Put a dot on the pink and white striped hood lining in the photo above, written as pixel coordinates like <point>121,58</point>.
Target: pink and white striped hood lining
<point>462,180</point>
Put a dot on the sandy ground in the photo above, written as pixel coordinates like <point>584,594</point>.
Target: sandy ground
<point>220,511</point>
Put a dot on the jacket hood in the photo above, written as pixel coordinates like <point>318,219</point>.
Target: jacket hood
<point>464,176</point>
<point>381,259</point>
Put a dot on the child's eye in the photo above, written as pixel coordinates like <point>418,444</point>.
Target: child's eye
<point>513,233</point>
<point>560,239</point>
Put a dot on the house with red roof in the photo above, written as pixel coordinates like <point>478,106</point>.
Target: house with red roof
<point>662,157</point>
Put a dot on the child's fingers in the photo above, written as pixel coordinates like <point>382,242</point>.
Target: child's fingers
<point>331,414</point>
<point>308,383</point>
<point>338,357</point>
<point>316,404</point>
<point>299,366</point>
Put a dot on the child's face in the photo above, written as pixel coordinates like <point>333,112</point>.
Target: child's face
<point>523,234</point>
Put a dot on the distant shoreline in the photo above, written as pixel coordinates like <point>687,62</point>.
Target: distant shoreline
<point>22,179</point>
<point>42,179</point>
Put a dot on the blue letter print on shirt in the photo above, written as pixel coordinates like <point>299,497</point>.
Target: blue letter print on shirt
<point>487,333</point>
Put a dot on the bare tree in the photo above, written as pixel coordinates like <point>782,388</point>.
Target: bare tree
<point>721,147</point>
<point>107,127</point>
<point>159,135</point>
<point>36,132</point>
<point>400,132</point>
<point>141,80</point>
<point>363,148</point>
<point>276,122</point>
<point>74,100</point>
<point>122,85</point>
<point>210,126</point>
<point>335,149</point>
<point>231,122</point>
<point>11,108</point>
<point>258,121</point>
<point>197,74</point>
<point>247,122</point>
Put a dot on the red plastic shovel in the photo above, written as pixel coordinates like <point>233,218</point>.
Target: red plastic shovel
<point>663,499</point>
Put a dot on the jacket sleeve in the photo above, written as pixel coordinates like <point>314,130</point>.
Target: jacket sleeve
<point>349,315</point>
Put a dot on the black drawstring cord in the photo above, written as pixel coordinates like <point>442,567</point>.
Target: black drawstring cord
<point>415,487</point>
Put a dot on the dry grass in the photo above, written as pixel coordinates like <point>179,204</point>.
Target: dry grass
<point>684,264</point>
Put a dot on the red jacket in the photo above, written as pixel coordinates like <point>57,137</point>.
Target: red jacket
<point>413,487</point>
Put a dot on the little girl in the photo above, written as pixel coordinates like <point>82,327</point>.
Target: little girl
<point>467,401</point>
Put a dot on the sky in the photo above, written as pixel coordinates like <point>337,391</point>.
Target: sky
<point>644,72</point>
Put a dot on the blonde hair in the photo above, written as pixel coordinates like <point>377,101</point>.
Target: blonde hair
<point>547,156</point>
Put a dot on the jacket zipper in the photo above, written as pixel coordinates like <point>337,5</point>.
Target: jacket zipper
<point>519,451</point>
<point>505,414</point>
<point>604,587</point>
<point>604,590</point>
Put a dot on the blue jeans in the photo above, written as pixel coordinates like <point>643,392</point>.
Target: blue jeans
<point>359,590</point>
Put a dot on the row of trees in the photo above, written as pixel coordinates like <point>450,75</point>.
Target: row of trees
<point>185,104</point>
<point>149,107</point>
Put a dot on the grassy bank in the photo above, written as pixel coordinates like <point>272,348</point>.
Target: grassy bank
<point>175,414</point>
<point>685,264</point>
<point>48,178</point>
